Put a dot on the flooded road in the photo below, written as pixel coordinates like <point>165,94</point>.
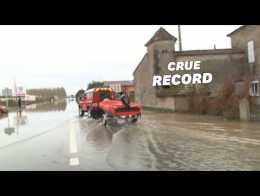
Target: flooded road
<point>53,137</point>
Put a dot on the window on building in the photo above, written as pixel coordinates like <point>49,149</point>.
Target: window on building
<point>255,88</point>
<point>119,87</point>
<point>251,51</point>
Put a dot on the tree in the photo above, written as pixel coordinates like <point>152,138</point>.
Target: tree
<point>95,84</point>
<point>47,93</point>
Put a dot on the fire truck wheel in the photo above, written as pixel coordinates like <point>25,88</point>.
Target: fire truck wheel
<point>92,113</point>
<point>81,112</point>
<point>134,120</point>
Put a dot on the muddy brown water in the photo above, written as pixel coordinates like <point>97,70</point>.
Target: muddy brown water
<point>170,141</point>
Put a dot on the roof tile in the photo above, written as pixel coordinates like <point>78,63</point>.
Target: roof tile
<point>161,35</point>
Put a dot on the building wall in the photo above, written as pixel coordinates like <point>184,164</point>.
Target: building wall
<point>181,104</point>
<point>128,88</point>
<point>166,103</point>
<point>119,86</point>
<point>144,92</point>
<point>116,87</point>
<point>222,66</point>
<point>241,38</point>
<point>232,64</point>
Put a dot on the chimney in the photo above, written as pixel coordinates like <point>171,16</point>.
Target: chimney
<point>179,35</point>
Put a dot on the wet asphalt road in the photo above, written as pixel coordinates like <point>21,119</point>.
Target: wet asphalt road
<point>53,137</point>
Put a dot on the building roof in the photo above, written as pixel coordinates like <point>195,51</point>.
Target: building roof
<point>161,35</point>
<point>237,30</point>
<point>209,52</point>
<point>145,56</point>
<point>122,82</point>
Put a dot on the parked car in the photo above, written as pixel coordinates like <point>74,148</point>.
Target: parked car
<point>3,110</point>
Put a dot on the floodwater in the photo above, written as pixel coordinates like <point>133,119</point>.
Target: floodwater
<point>159,141</point>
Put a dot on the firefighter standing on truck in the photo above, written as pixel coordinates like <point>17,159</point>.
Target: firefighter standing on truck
<point>125,99</point>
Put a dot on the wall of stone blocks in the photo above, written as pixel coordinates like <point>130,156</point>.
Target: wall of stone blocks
<point>241,38</point>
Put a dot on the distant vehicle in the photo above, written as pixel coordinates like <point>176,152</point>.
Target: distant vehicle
<point>3,110</point>
<point>102,103</point>
<point>71,97</point>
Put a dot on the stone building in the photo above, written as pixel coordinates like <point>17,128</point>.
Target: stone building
<point>120,85</point>
<point>125,86</point>
<point>247,38</point>
<point>224,64</point>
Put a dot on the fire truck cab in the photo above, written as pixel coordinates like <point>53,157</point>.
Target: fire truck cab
<point>92,98</point>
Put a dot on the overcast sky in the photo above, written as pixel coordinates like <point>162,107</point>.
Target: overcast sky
<point>72,56</point>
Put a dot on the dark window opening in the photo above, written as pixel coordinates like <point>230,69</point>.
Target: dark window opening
<point>254,88</point>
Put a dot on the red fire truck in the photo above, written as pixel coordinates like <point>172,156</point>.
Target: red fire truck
<point>103,103</point>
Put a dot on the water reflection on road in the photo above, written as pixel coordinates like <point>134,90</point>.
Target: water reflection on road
<point>160,141</point>
<point>188,142</point>
<point>30,121</point>
<point>167,141</point>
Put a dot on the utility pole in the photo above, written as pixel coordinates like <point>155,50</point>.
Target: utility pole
<point>179,35</point>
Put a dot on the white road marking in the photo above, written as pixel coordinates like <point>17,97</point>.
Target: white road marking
<point>74,161</point>
<point>73,146</point>
<point>73,141</point>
